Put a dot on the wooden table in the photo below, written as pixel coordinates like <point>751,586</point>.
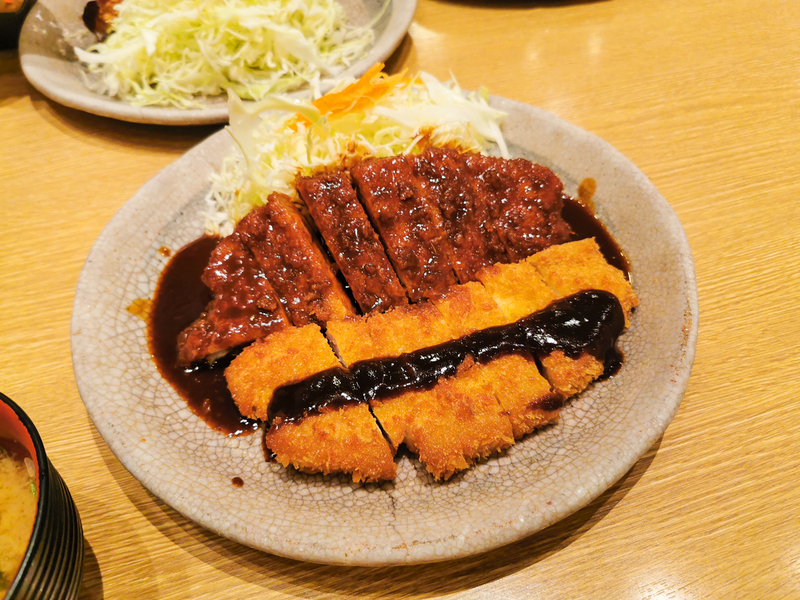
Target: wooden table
<point>703,97</point>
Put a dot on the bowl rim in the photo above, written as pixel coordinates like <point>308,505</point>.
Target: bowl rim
<point>43,491</point>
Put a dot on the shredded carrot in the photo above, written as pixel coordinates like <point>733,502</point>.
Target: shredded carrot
<point>358,96</point>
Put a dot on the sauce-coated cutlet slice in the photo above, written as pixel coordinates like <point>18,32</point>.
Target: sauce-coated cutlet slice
<point>336,439</point>
<point>515,380</point>
<point>525,201</point>
<point>244,305</point>
<point>450,425</point>
<point>411,230</point>
<point>444,181</point>
<point>352,241</point>
<point>294,263</point>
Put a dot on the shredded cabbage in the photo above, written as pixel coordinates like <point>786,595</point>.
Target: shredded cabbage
<point>280,138</point>
<point>169,52</point>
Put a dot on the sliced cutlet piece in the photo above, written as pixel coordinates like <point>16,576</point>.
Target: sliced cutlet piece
<point>243,308</point>
<point>580,265</point>
<point>443,180</point>
<point>519,291</point>
<point>523,393</point>
<point>454,423</point>
<point>345,227</point>
<point>526,201</point>
<point>340,438</point>
<point>517,288</point>
<point>568,269</point>
<point>399,331</point>
<point>285,357</point>
<point>465,423</point>
<point>410,229</point>
<point>351,340</point>
<point>294,264</point>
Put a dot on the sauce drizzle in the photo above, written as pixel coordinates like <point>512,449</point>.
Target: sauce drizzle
<point>587,321</point>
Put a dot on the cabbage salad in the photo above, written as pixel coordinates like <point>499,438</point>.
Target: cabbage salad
<point>280,138</point>
<point>170,52</point>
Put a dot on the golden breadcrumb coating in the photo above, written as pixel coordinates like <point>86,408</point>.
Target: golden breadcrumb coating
<point>460,423</point>
<point>522,392</point>
<point>517,289</point>
<point>577,266</point>
<point>286,356</point>
<point>351,340</point>
<point>343,440</point>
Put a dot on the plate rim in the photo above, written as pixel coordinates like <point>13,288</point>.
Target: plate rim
<point>420,553</point>
<point>402,14</point>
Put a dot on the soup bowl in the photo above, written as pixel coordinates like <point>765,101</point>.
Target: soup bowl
<point>52,565</point>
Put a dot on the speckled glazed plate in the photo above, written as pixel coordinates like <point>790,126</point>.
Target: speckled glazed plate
<point>414,519</point>
<point>54,27</point>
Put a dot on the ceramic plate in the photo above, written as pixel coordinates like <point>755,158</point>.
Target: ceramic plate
<point>540,480</point>
<point>53,27</point>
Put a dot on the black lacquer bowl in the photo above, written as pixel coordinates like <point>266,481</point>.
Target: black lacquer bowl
<point>52,567</point>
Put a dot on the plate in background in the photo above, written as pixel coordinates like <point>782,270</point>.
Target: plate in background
<point>50,65</point>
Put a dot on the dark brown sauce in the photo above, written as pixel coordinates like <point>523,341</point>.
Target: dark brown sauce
<point>237,482</point>
<point>588,321</point>
<point>180,298</point>
<point>90,13</point>
<point>585,224</point>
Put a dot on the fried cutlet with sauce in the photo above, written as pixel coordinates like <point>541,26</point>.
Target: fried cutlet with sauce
<point>294,263</point>
<point>410,229</point>
<point>469,423</point>
<point>284,357</point>
<point>336,439</point>
<point>244,305</point>
<point>460,423</point>
<point>579,265</point>
<point>390,334</point>
<point>443,180</point>
<point>450,425</point>
<point>515,379</point>
<point>351,239</point>
<point>99,14</point>
<point>568,269</point>
<point>525,200</point>
<point>519,290</point>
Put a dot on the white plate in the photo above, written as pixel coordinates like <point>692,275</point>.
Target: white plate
<point>540,480</point>
<point>49,62</point>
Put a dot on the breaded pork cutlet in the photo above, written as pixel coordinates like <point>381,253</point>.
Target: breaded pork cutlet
<point>568,269</point>
<point>99,14</point>
<point>519,291</point>
<point>555,273</point>
<point>244,305</point>
<point>410,228</point>
<point>294,263</point>
<point>580,265</point>
<point>525,200</point>
<point>449,425</point>
<point>335,439</point>
<point>514,379</point>
<point>443,180</point>
<point>352,241</point>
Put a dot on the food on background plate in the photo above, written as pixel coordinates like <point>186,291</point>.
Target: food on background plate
<point>17,508</point>
<point>177,52</point>
<point>430,295</point>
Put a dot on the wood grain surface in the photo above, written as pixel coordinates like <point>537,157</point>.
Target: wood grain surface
<point>703,97</point>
